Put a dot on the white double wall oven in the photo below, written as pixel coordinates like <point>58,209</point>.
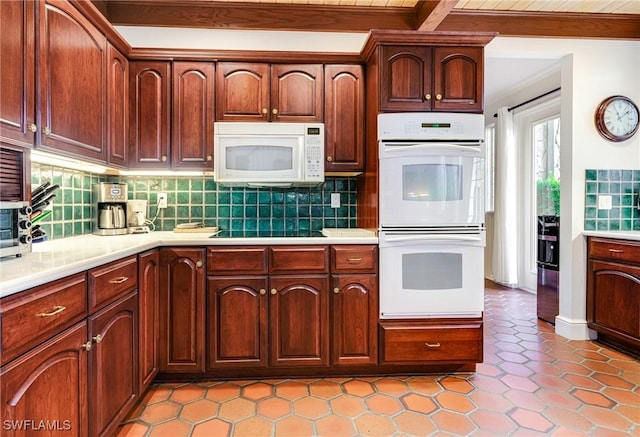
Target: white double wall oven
<point>432,234</point>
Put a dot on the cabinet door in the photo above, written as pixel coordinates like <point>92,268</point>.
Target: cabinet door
<point>148,289</point>
<point>192,133</point>
<point>117,107</point>
<point>48,383</point>
<point>405,78</point>
<point>242,91</point>
<point>113,364</point>
<point>297,92</point>
<point>298,321</point>
<point>354,319</point>
<point>181,322</point>
<point>72,82</point>
<point>458,79</point>
<point>613,300</point>
<point>344,117</point>
<point>17,73</point>
<point>149,109</point>
<point>237,322</point>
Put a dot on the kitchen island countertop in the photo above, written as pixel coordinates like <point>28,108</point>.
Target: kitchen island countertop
<point>51,260</point>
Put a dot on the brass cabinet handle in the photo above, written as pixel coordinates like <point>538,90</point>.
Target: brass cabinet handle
<point>329,158</point>
<point>263,291</point>
<point>336,290</point>
<point>86,346</point>
<point>265,110</point>
<point>427,96</point>
<point>199,264</point>
<point>97,338</point>
<point>274,291</point>
<point>616,250</point>
<point>354,260</point>
<point>58,309</point>
<point>46,131</point>
<point>33,128</point>
<point>163,158</point>
<point>438,96</point>
<point>119,280</point>
<point>432,345</point>
<point>274,111</point>
<point>209,158</point>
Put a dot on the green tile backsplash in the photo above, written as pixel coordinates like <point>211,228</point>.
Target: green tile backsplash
<point>200,199</point>
<point>624,187</point>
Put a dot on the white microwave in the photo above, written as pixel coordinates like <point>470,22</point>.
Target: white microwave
<point>268,154</point>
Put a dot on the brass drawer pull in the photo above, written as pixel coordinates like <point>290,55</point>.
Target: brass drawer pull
<point>57,310</point>
<point>354,260</point>
<point>432,345</point>
<point>86,346</point>
<point>119,280</point>
<point>98,338</point>
<point>263,292</point>
<point>616,250</point>
<point>336,290</point>
<point>274,291</point>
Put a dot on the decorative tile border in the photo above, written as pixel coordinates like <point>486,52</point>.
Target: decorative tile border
<point>624,188</point>
<point>200,199</point>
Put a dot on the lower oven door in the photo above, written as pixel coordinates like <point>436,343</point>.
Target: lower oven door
<point>431,275</point>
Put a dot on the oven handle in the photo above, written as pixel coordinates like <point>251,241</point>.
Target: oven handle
<point>433,147</point>
<point>432,238</point>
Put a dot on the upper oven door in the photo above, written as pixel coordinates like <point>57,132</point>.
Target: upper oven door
<point>431,184</point>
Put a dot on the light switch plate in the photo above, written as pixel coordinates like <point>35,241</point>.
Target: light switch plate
<point>335,200</point>
<point>604,202</point>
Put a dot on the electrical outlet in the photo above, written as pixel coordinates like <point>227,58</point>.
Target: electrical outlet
<point>162,200</point>
<point>335,200</point>
<point>604,202</point>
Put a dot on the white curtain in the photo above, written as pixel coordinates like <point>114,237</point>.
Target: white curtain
<point>505,234</point>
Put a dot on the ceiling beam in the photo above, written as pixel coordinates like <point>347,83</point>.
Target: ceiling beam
<point>429,14</point>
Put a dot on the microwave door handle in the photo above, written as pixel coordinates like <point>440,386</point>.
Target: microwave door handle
<point>433,147</point>
<point>432,238</point>
<point>269,184</point>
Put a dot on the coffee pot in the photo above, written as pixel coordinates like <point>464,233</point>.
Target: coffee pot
<point>110,213</point>
<point>111,216</point>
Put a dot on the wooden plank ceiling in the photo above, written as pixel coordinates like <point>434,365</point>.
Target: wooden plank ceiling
<point>615,19</point>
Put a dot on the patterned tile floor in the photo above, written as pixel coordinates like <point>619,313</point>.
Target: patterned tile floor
<point>532,383</point>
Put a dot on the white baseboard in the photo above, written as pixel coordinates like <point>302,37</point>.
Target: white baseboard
<point>574,329</point>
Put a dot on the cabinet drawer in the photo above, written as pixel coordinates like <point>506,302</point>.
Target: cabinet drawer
<point>30,317</point>
<point>109,282</point>
<point>409,342</point>
<point>237,260</point>
<point>356,258</point>
<point>299,259</point>
<point>614,250</point>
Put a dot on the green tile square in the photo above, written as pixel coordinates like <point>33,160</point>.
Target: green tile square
<point>237,211</point>
<point>603,175</point>
<point>169,211</point>
<point>329,185</point>
<point>590,212</point>
<point>615,175</point>
<point>87,227</point>
<point>197,184</point>
<point>304,198</point>
<point>626,213</point>
<point>304,224</point>
<point>603,214</point>
<point>614,225</point>
<point>78,228</point>
<point>303,211</point>
<point>342,223</point>
<point>615,200</point>
<point>290,224</point>
<point>168,225</point>
<point>329,223</point>
<point>224,211</point>
<point>224,198</point>
<point>169,184</point>
<point>172,198</point>
<point>264,224</point>
<point>614,187</point>
<point>627,175</point>
<point>626,225</point>
<point>210,211</point>
<point>223,223</point>
<point>317,224</point>
<point>291,211</point>
<point>67,212</point>
<point>353,211</point>
<point>223,188</point>
<point>183,198</point>
<point>86,196</point>
<point>602,225</point>
<point>67,196</point>
<point>67,179</point>
<point>195,212</point>
<point>591,200</point>
<point>603,187</point>
<point>316,198</point>
<point>277,197</point>
<point>277,211</point>
<point>209,184</point>
<point>182,212</point>
<point>251,211</point>
<point>251,197</point>
<point>264,197</point>
<point>251,224</point>
<point>237,198</point>
<point>342,212</point>
<point>614,213</point>
<point>353,184</point>
<point>237,224</point>
<point>86,212</point>
<point>264,211</point>
<point>183,184</point>
<point>141,185</point>
<point>341,185</point>
<point>77,212</point>
<point>57,230</point>
<point>329,212</point>
<point>210,198</point>
<point>626,188</point>
<point>353,223</point>
<point>57,213</point>
<point>277,225</point>
<point>67,229</point>
<point>317,211</point>
<point>291,198</point>
<point>155,184</point>
<point>143,196</point>
<point>196,197</point>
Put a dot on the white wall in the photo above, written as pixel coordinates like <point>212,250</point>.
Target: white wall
<point>590,71</point>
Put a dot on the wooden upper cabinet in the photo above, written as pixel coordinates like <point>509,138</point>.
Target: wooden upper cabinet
<point>297,92</point>
<point>149,108</point>
<point>242,91</point>
<point>344,117</point>
<point>424,78</point>
<point>72,82</point>
<point>117,107</point>
<point>264,92</point>
<point>458,77</point>
<point>192,117</point>
<point>17,73</point>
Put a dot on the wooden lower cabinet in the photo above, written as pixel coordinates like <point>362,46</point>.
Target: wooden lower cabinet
<point>181,322</point>
<point>237,322</point>
<point>47,387</point>
<point>113,364</point>
<point>148,289</point>
<point>298,318</point>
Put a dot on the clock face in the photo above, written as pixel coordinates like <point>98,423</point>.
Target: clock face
<point>617,118</point>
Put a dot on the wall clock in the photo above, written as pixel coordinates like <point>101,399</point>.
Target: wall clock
<point>617,118</point>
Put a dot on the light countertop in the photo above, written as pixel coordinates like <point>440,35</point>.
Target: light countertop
<point>621,235</point>
<point>51,260</point>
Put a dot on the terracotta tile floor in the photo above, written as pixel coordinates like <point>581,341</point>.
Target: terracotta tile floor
<point>532,382</point>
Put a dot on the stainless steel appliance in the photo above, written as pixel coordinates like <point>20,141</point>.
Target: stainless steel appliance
<point>268,154</point>
<point>15,228</point>
<point>110,201</point>
<point>548,268</point>
<point>432,234</point>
